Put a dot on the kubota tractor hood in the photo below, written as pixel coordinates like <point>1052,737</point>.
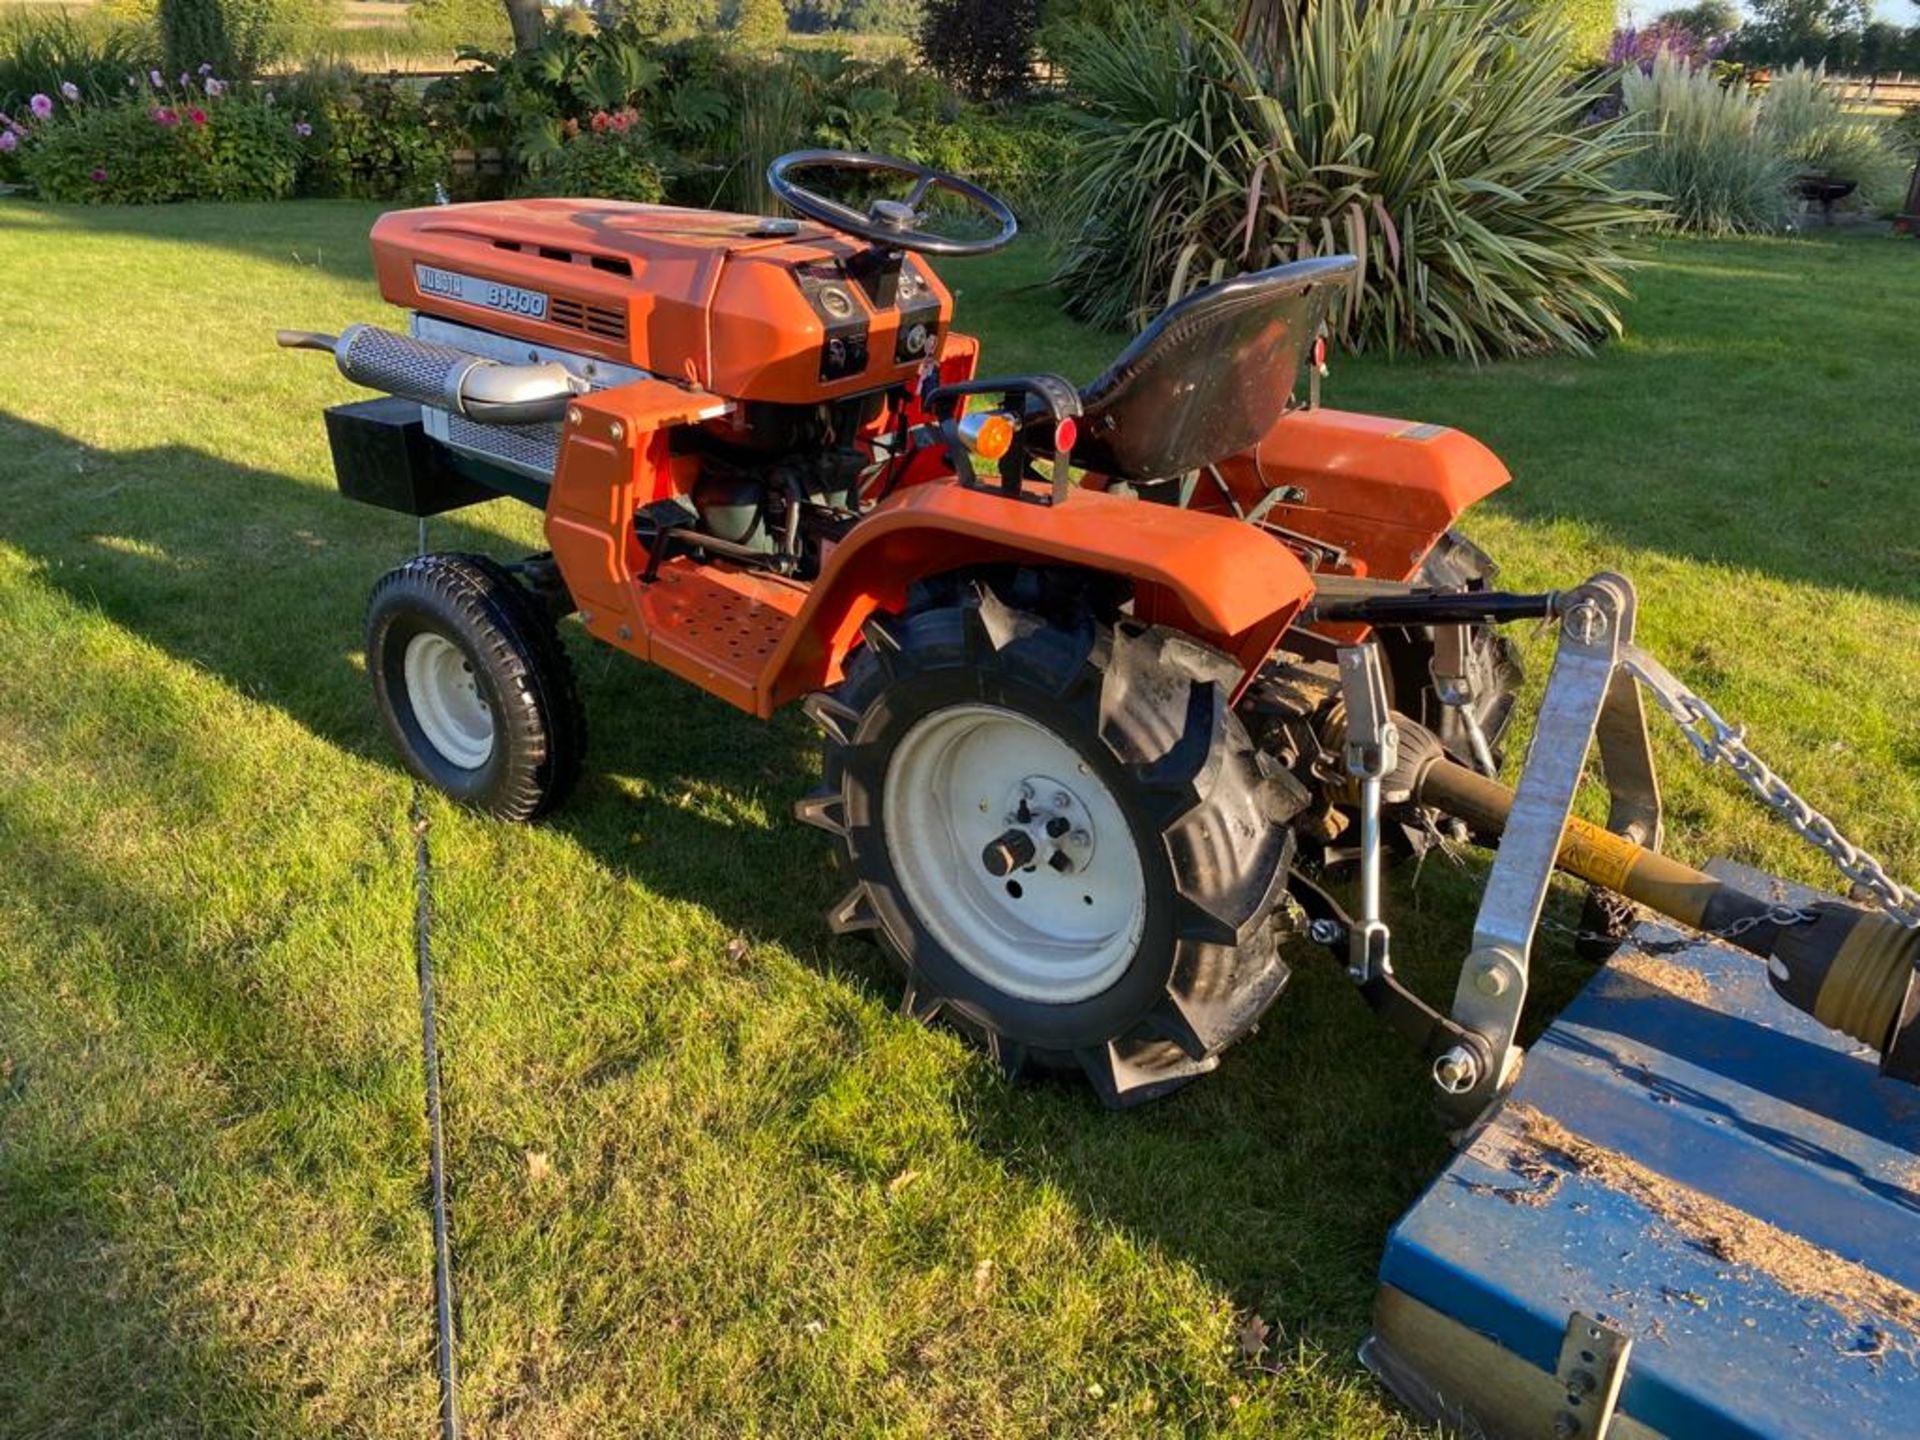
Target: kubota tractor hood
<point>753,307</point>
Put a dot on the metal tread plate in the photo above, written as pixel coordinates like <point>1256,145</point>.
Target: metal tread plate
<point>1717,1176</point>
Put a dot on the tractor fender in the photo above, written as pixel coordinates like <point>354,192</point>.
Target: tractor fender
<point>1226,583</point>
<point>1382,491</point>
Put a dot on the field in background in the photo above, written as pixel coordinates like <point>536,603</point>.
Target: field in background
<point>377,36</point>
<point>705,1181</point>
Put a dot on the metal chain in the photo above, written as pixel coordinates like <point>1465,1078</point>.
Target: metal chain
<point>1718,742</point>
<point>1781,916</point>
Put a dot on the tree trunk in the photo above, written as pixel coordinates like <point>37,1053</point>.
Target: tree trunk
<point>529,24</point>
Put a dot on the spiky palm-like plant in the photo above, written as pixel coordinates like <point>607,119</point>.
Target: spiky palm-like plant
<point>1442,145</point>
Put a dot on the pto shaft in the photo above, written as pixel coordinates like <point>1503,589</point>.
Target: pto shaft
<point>1851,969</point>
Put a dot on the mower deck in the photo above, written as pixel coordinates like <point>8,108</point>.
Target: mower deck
<point>1722,1183</point>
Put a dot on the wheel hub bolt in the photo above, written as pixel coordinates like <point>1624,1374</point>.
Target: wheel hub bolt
<point>1013,850</point>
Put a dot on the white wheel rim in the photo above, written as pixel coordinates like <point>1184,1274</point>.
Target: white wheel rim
<point>446,699</point>
<point>1053,931</point>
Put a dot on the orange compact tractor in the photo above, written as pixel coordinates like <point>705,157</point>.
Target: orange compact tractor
<point>1108,678</point>
<point>1098,669</point>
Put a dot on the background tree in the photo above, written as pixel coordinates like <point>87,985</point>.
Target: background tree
<point>1813,31</point>
<point>238,37</point>
<point>760,24</point>
<point>194,32</point>
<point>981,47</point>
<point>1706,19</point>
<point>529,23</point>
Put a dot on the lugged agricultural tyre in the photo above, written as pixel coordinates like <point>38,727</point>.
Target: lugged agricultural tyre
<point>475,688</point>
<point>1493,659</point>
<point>1150,948</point>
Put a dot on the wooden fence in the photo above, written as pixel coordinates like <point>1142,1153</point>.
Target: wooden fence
<point>1878,92</point>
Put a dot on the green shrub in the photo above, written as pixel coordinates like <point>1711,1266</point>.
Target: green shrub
<point>1802,117</point>
<point>239,38</point>
<point>1589,25</point>
<point>1023,155</point>
<point>609,164</point>
<point>1705,150</point>
<point>717,115</point>
<point>372,139</point>
<point>759,24</point>
<point>155,148</point>
<point>1441,145</point>
<point>1903,133</point>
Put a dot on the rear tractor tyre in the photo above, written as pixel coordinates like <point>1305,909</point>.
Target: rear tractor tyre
<point>474,686</point>
<point>1060,833</point>
<point>1493,660</point>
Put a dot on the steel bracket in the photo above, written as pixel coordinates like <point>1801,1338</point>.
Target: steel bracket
<point>1596,623</point>
<point>1592,1369</point>
<point>1373,749</point>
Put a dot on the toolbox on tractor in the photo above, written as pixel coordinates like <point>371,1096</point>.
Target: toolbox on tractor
<point>1112,683</point>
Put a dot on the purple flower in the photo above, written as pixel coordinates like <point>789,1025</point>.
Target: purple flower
<point>185,79</point>
<point>99,174</point>
<point>41,105</point>
<point>1640,47</point>
<point>7,142</point>
<point>153,79</point>
<point>302,130</point>
<point>215,88</point>
<point>164,115</point>
<point>71,91</point>
<point>205,68</point>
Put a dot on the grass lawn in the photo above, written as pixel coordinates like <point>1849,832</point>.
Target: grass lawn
<point>705,1182</point>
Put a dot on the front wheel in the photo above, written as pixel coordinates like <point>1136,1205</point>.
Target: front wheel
<point>1061,834</point>
<point>476,692</point>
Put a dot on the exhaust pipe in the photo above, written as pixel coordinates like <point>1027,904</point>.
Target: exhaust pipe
<point>448,379</point>
<point>1853,970</point>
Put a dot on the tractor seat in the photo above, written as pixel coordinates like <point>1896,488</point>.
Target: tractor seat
<point>1211,375</point>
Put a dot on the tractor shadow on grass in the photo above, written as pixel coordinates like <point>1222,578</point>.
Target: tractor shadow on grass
<point>1276,1178</point>
<point>116,1321</point>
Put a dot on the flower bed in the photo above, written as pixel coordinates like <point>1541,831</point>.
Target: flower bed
<point>190,138</point>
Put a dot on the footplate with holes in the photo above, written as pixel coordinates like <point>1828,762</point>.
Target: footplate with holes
<point>1724,1191</point>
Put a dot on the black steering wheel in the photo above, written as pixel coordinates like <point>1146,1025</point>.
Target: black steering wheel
<point>889,223</point>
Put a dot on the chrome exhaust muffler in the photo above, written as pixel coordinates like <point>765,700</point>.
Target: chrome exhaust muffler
<point>481,390</point>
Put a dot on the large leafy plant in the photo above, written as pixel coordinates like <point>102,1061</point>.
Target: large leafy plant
<point>1442,145</point>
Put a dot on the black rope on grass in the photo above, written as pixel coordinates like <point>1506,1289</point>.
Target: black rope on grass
<point>447,1365</point>
<point>436,1139</point>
